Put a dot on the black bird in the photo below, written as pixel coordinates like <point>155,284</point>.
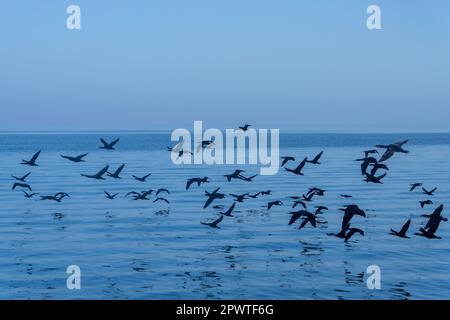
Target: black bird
<point>56,197</point>
<point>372,151</point>
<point>212,196</point>
<point>286,159</point>
<point>415,185</point>
<point>116,175</point>
<point>426,234</point>
<point>391,149</point>
<point>21,185</point>
<point>215,223</point>
<point>309,197</point>
<point>316,191</point>
<point>274,203</point>
<point>351,232</point>
<point>239,197</point>
<point>140,196</point>
<point>349,212</point>
<point>108,146</point>
<point>235,175</point>
<point>346,196</point>
<point>98,175</point>
<point>161,199</point>
<point>229,211</point>
<point>435,216</point>
<point>32,161</point>
<point>402,232</point>
<point>75,159</point>
<point>22,179</point>
<point>254,196</point>
<point>247,178</point>
<point>309,217</point>
<point>429,193</point>
<point>374,179</point>
<point>199,181</point>
<point>365,163</point>
<point>141,179</point>
<point>423,203</point>
<point>316,159</point>
<point>298,170</point>
<point>110,196</point>
<point>162,190</point>
<point>245,127</point>
<point>28,195</point>
<point>296,215</point>
<point>266,193</point>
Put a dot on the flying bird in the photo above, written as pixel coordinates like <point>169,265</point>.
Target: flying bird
<point>108,146</point>
<point>351,232</point>
<point>32,161</point>
<point>374,179</point>
<point>28,195</point>
<point>239,197</point>
<point>391,149</point>
<point>229,211</point>
<point>245,127</point>
<point>212,196</point>
<point>430,192</point>
<point>21,185</point>
<point>316,159</point>
<point>402,232</point>
<point>372,151</point>
<point>110,196</point>
<point>23,178</point>
<point>365,163</point>
<point>423,203</point>
<point>142,179</point>
<point>215,223</point>
<point>415,185</point>
<point>75,159</point>
<point>161,199</point>
<point>98,175</point>
<point>199,181</point>
<point>298,170</point>
<point>274,203</point>
<point>116,175</point>
<point>162,190</point>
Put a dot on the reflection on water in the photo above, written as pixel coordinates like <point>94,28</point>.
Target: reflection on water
<point>143,250</point>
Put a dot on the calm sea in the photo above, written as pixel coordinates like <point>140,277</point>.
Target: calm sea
<point>143,250</point>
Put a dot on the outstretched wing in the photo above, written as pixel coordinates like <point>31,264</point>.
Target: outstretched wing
<point>103,171</point>
<point>36,155</point>
<point>405,227</point>
<point>389,153</point>
<point>112,144</point>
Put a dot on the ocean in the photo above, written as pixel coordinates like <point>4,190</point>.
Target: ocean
<point>130,249</point>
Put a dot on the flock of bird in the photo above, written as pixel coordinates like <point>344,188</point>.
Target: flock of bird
<point>20,182</point>
<point>369,169</point>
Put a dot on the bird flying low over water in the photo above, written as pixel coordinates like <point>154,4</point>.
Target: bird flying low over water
<point>423,203</point>
<point>286,160</point>
<point>75,159</point>
<point>297,202</point>
<point>110,196</point>
<point>298,170</point>
<point>162,190</point>
<point>23,178</point>
<point>140,196</point>
<point>430,192</point>
<point>213,224</point>
<point>266,193</point>
<point>212,196</point>
<point>415,185</point>
<point>108,146</point>
<point>319,209</point>
<point>349,212</point>
<point>346,196</point>
<point>274,203</point>
<point>254,196</point>
<point>161,199</point>
<point>116,175</point>
<point>351,232</point>
<point>98,175</point>
<point>433,223</point>
<point>32,161</point>
<point>56,197</point>
<point>21,185</point>
<point>205,144</point>
<point>141,179</point>
<point>198,181</point>
<point>402,232</point>
<point>245,127</point>
<point>316,159</point>
<point>229,211</point>
<point>29,195</point>
<point>372,151</point>
<point>391,149</point>
<point>376,166</point>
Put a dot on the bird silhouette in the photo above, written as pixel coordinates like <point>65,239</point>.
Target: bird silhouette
<point>316,159</point>
<point>108,146</point>
<point>402,232</point>
<point>286,160</point>
<point>229,211</point>
<point>98,175</point>
<point>212,196</point>
<point>23,178</point>
<point>116,175</point>
<point>213,224</point>
<point>75,159</point>
<point>110,196</point>
<point>21,185</point>
<point>32,161</point>
<point>415,185</point>
<point>298,170</point>
<point>430,192</point>
<point>141,179</point>
<point>391,149</point>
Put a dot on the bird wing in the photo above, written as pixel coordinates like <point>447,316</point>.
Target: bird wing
<point>216,222</point>
<point>318,157</point>
<point>114,142</point>
<point>208,202</point>
<point>389,153</point>
<point>119,170</point>
<point>105,144</point>
<point>36,155</point>
<point>400,143</point>
<point>103,171</point>
<point>405,227</point>
<point>189,182</point>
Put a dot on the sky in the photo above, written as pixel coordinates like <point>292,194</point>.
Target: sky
<point>287,64</point>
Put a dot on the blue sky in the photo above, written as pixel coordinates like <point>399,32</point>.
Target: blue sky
<point>291,64</point>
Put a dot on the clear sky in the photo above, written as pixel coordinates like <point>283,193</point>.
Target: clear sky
<point>289,64</point>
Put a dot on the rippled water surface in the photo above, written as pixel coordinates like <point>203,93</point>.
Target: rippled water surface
<point>143,250</point>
